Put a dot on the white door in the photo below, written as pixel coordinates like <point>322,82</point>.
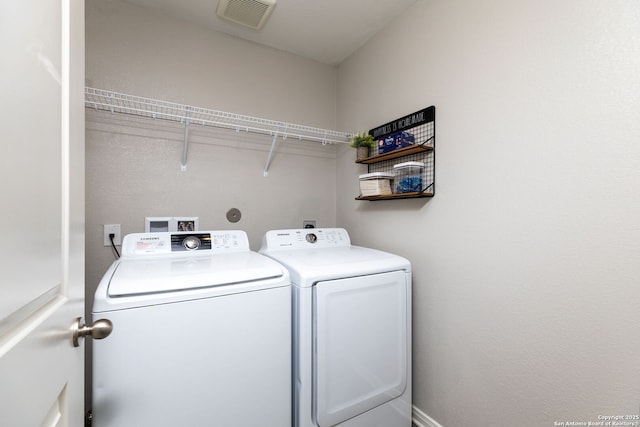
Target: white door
<point>42,179</point>
<point>361,344</point>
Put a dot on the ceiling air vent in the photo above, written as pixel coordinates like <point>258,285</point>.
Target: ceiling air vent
<point>251,13</point>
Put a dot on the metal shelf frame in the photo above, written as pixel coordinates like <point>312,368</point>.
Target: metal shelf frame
<point>422,125</point>
<point>114,102</point>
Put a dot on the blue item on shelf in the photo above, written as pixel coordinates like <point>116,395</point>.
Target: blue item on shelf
<point>409,184</point>
<point>395,141</point>
<point>408,177</point>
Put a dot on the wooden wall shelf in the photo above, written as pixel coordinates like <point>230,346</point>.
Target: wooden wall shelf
<point>401,152</point>
<point>415,195</point>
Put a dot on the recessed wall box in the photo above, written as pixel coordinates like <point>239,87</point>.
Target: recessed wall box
<point>165,223</point>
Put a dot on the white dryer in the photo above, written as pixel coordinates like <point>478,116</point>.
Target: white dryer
<point>201,334</point>
<point>351,329</point>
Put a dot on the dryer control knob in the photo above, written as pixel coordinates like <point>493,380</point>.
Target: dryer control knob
<point>191,243</point>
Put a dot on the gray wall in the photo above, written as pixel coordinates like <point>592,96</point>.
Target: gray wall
<point>526,262</point>
<point>133,165</point>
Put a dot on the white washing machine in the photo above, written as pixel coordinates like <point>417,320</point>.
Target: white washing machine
<point>201,334</point>
<point>351,329</point>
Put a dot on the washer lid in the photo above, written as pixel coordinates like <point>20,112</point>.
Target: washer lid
<point>165,274</point>
<point>308,266</point>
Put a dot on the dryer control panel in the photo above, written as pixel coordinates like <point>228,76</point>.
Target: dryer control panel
<point>188,242</point>
<point>306,238</point>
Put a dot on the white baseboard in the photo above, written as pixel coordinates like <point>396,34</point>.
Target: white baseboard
<point>420,419</point>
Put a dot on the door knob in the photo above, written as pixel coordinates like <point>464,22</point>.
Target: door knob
<point>99,330</point>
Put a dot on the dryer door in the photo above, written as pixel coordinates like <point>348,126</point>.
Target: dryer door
<point>360,357</point>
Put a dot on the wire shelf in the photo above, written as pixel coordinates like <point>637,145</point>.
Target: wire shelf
<point>115,102</point>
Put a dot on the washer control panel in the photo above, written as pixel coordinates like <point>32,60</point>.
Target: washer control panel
<point>190,242</point>
<point>145,244</point>
<point>306,238</point>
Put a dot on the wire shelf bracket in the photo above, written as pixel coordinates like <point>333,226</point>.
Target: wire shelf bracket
<point>273,145</point>
<point>185,146</point>
<point>115,102</point>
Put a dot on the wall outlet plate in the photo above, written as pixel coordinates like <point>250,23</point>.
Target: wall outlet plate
<point>157,224</point>
<point>115,230</point>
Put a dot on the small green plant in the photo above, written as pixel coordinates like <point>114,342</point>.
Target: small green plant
<point>361,140</point>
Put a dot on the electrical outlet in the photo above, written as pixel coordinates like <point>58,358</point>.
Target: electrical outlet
<point>115,230</point>
<point>309,223</point>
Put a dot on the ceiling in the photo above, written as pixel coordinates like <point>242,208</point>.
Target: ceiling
<point>327,31</point>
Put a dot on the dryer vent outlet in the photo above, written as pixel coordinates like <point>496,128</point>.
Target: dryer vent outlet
<point>250,13</point>
<point>309,223</point>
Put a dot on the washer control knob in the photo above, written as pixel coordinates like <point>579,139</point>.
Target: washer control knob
<point>191,243</point>
<point>312,238</point>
